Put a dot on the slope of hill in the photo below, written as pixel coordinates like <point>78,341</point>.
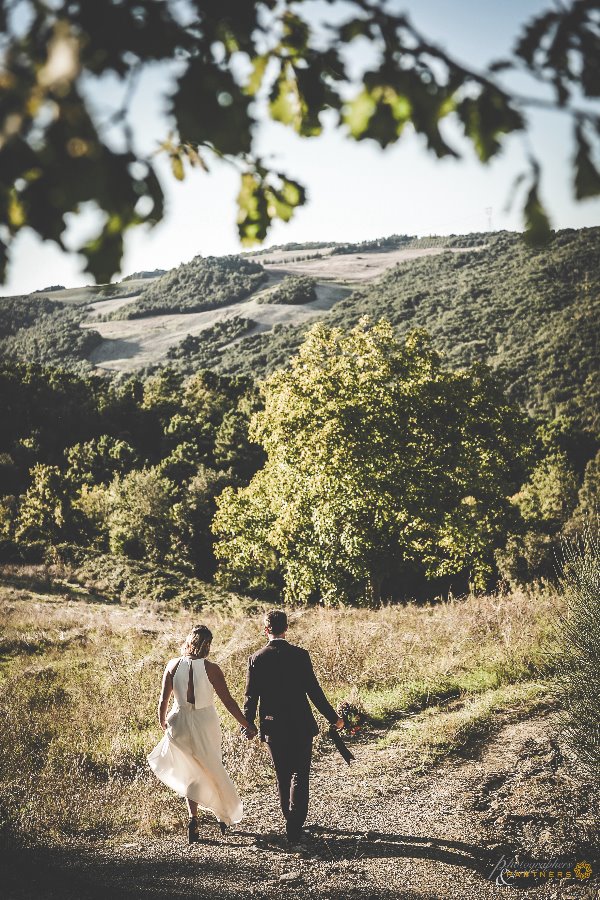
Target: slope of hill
<point>134,344</point>
<point>23,312</point>
<point>531,314</point>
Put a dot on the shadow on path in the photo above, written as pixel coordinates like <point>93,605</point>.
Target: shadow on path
<point>173,870</point>
<point>70,874</point>
<point>346,845</point>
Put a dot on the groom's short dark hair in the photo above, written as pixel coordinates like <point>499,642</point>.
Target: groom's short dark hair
<point>276,621</point>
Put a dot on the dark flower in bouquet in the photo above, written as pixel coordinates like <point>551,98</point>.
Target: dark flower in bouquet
<point>353,718</point>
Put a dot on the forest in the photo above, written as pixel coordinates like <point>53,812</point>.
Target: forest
<point>45,331</point>
<point>354,475</point>
<point>203,351</point>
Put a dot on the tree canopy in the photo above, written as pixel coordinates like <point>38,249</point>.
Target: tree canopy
<point>237,61</point>
<point>380,463</point>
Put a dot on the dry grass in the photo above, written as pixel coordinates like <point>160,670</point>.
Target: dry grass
<point>81,679</point>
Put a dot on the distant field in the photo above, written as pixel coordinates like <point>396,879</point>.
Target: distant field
<point>349,268</point>
<point>130,344</point>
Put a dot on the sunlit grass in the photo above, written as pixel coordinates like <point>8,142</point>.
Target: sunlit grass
<point>436,733</point>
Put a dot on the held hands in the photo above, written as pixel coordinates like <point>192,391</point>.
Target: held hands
<point>249,731</point>
<point>340,724</point>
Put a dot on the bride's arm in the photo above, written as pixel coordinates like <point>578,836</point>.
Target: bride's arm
<point>217,679</point>
<point>165,694</point>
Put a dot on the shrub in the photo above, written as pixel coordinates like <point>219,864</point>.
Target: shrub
<point>293,290</point>
<point>580,665</point>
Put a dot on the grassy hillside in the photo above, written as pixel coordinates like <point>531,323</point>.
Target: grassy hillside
<point>202,351</point>
<point>204,283</point>
<point>531,314</point>
<point>293,290</point>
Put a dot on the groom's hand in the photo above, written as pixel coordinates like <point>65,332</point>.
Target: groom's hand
<point>340,724</point>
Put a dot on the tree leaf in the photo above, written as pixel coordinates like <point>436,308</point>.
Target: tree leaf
<point>587,177</point>
<point>104,253</point>
<point>537,224</point>
<point>259,67</point>
<point>210,107</point>
<point>284,104</point>
<point>177,167</point>
<point>253,218</point>
<point>485,118</point>
<point>358,113</point>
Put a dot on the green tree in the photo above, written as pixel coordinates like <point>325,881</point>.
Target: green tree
<point>140,522</point>
<point>587,511</point>
<point>233,448</point>
<point>8,509</point>
<point>232,58</point>
<point>192,516</point>
<point>544,504</point>
<point>549,497</point>
<point>162,393</point>
<point>380,463</point>
<point>96,461</point>
<point>45,509</point>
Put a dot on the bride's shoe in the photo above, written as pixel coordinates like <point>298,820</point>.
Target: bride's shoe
<point>193,830</point>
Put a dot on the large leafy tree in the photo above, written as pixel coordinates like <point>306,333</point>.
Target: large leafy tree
<point>380,463</point>
<point>235,61</point>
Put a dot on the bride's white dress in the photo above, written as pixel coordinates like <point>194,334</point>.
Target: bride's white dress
<point>188,758</point>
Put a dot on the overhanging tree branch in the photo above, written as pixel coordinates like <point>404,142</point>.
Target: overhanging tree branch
<point>235,58</point>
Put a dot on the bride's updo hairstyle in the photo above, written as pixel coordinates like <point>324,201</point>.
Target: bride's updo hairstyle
<point>198,641</point>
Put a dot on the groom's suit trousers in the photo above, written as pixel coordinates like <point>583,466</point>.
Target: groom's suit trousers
<point>291,757</point>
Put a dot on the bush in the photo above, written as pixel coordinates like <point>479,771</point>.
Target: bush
<point>293,290</point>
<point>526,557</point>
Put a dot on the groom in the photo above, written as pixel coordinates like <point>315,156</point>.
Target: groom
<point>281,676</point>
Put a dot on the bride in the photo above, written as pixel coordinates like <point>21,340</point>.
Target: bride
<point>188,758</point>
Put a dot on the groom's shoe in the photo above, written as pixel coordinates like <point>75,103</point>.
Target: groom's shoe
<point>297,838</point>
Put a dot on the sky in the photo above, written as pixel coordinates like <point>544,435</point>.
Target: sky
<point>355,190</point>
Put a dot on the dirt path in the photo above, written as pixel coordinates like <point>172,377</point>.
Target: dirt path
<point>379,830</point>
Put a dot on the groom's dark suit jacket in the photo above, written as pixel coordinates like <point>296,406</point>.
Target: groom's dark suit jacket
<point>281,678</point>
